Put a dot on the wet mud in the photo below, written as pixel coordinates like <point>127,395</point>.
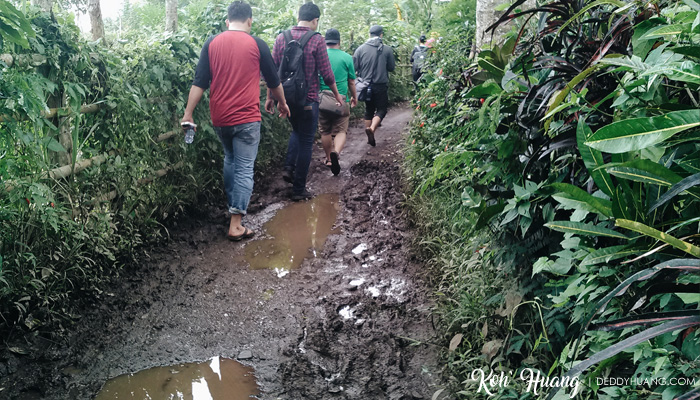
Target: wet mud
<point>351,321</point>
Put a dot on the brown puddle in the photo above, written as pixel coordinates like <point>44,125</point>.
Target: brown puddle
<point>216,379</point>
<point>298,231</point>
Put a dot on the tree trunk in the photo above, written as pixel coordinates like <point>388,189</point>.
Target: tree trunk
<point>65,137</point>
<point>487,15</point>
<point>44,5</point>
<point>96,23</point>
<point>171,16</point>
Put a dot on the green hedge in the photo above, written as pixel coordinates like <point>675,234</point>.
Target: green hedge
<point>555,185</point>
<point>60,239</point>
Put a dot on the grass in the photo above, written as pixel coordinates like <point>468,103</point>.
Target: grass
<point>465,280</point>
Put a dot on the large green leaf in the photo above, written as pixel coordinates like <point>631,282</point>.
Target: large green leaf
<point>593,159</point>
<point>638,175</point>
<point>648,172</point>
<point>578,198</point>
<point>692,4</point>
<point>684,72</point>
<point>490,61</point>
<point>623,205</point>
<point>668,32</point>
<point>692,51</point>
<point>643,320</point>
<point>682,264</point>
<point>658,235</point>
<point>645,171</point>
<point>585,9</point>
<point>484,90</point>
<point>488,213</point>
<point>585,229</point>
<point>14,26</point>
<point>633,63</point>
<point>631,341</point>
<point>561,96</point>
<point>690,163</point>
<point>13,35</point>
<point>53,145</point>
<point>639,133</point>
<point>687,183</point>
<point>607,254</point>
<point>641,47</point>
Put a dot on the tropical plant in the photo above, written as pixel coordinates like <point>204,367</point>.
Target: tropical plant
<point>14,26</point>
<point>90,171</point>
<point>575,145</point>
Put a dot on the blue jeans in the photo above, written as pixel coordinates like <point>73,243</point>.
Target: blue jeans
<point>240,149</point>
<point>304,122</point>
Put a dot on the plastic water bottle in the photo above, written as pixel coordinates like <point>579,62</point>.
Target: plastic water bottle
<point>189,131</point>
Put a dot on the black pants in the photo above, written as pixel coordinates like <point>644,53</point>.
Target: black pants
<point>380,101</point>
<point>416,76</point>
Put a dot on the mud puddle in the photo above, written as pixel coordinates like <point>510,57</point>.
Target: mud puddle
<point>297,231</point>
<point>215,379</point>
<point>351,322</point>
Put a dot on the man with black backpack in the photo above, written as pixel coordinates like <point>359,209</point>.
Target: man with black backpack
<point>418,58</point>
<point>300,55</point>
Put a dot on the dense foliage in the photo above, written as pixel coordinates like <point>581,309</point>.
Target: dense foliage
<point>143,19</point>
<point>563,165</point>
<point>64,235</point>
<point>61,237</point>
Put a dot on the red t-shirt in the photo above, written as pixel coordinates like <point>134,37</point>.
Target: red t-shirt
<point>229,66</point>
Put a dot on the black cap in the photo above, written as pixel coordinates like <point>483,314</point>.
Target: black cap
<point>376,30</point>
<point>332,36</point>
<point>422,38</point>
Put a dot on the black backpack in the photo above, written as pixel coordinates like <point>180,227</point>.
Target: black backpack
<point>419,58</point>
<point>291,69</point>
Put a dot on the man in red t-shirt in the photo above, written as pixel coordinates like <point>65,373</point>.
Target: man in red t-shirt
<point>230,66</point>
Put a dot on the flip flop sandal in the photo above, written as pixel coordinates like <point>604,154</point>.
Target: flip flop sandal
<point>335,165</point>
<point>245,235</point>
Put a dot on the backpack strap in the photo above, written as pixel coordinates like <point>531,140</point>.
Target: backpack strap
<point>379,54</point>
<point>306,37</point>
<point>376,61</point>
<point>288,36</point>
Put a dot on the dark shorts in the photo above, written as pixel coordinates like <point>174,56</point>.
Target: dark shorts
<point>416,76</point>
<point>379,103</point>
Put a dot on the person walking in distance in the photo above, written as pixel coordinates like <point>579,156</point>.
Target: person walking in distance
<point>418,58</point>
<point>333,126</point>
<point>373,62</point>
<point>304,113</point>
<point>229,66</point>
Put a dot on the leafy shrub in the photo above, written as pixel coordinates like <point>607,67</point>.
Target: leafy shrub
<point>61,238</point>
<point>573,145</point>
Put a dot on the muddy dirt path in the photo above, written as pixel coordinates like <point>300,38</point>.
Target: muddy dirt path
<point>346,324</point>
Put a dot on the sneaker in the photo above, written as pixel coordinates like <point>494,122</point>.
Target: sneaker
<point>370,137</point>
<point>288,175</point>
<point>335,165</point>
<point>305,195</point>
